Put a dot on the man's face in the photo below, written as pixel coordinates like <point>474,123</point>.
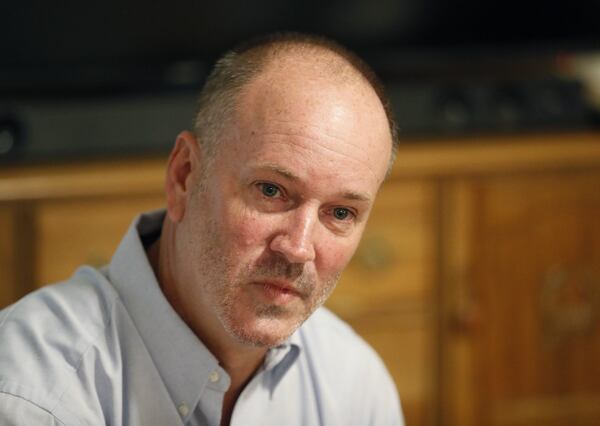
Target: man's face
<point>283,204</point>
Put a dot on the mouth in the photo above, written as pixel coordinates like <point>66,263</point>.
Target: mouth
<point>278,292</point>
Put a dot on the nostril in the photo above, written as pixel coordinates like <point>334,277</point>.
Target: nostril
<point>295,238</point>
<point>293,250</point>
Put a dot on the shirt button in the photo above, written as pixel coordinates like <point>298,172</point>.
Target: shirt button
<point>183,409</point>
<point>214,377</point>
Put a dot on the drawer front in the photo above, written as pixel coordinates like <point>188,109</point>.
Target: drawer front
<point>76,232</point>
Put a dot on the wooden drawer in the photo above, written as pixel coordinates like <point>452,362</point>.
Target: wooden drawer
<point>70,233</point>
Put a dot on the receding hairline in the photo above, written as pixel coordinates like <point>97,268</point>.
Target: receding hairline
<point>236,69</point>
<point>323,54</point>
<point>313,63</point>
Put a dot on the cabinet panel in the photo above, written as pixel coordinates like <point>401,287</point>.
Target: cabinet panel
<point>70,233</point>
<point>8,265</point>
<point>16,242</point>
<point>529,305</point>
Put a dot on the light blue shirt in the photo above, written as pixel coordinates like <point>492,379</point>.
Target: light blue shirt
<point>106,348</point>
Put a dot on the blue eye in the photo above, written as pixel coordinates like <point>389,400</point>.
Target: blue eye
<point>341,213</point>
<point>269,190</point>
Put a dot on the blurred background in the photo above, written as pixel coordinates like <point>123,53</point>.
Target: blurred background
<point>478,279</point>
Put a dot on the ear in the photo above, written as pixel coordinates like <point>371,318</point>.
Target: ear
<point>182,172</point>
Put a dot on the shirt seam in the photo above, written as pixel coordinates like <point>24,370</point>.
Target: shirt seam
<point>49,411</point>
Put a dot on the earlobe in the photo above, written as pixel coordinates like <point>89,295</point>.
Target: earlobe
<point>181,169</point>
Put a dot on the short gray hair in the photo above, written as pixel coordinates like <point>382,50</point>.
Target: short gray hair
<point>237,67</point>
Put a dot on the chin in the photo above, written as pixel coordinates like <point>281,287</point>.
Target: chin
<point>263,332</point>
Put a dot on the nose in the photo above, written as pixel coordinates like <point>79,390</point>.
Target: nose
<point>295,240</point>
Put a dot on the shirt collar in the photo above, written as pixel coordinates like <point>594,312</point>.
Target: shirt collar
<point>181,359</point>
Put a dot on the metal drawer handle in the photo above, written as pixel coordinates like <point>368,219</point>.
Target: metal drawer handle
<point>375,253</point>
<point>569,302</point>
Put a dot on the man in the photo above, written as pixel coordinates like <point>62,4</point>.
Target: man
<point>202,316</point>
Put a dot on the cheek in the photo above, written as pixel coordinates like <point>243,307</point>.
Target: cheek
<point>248,228</point>
<point>335,255</point>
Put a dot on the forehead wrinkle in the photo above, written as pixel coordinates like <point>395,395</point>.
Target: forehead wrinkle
<point>322,145</point>
<point>311,131</point>
<point>299,129</point>
<point>314,140</point>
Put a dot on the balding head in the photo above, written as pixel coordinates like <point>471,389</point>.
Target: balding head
<point>318,56</point>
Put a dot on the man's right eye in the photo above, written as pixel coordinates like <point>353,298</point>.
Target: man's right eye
<point>269,190</point>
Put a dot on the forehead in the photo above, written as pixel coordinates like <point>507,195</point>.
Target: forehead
<point>328,124</point>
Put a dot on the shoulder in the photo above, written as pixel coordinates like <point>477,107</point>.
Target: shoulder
<point>349,369</point>
<point>79,308</point>
<point>46,334</point>
<point>326,335</point>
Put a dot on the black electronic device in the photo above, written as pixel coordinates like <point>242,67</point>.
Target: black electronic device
<point>85,79</point>
<point>75,45</point>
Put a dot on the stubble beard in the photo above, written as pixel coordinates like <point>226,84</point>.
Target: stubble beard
<point>224,285</point>
<point>228,285</point>
<point>270,324</point>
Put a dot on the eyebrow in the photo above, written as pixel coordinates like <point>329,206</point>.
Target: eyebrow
<point>350,195</point>
<point>281,171</point>
<point>356,196</point>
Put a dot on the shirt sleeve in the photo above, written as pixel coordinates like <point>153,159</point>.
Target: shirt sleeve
<point>17,411</point>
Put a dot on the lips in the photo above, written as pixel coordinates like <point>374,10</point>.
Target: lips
<point>278,291</point>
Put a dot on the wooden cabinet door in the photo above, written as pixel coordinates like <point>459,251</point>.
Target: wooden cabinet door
<point>521,299</point>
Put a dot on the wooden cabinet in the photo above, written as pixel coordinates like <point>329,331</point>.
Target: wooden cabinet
<point>526,302</point>
<point>477,280</point>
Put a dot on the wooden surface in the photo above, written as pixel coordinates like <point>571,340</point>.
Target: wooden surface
<point>90,179</point>
<point>536,277</point>
<point>8,277</point>
<point>73,232</point>
<point>499,154</point>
